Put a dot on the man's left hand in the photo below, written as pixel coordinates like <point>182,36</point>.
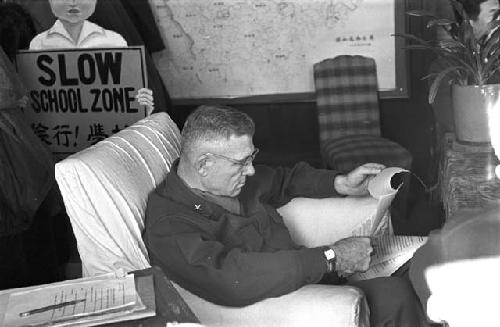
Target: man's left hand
<point>356,182</point>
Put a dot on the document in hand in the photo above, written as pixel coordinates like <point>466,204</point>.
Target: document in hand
<point>80,302</point>
<point>383,189</point>
<point>391,252</point>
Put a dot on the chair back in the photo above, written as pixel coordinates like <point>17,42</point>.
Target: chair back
<point>105,190</point>
<point>347,96</point>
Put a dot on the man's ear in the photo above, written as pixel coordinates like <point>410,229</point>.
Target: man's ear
<point>203,165</point>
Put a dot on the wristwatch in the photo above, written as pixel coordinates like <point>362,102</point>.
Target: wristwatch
<point>330,257</point>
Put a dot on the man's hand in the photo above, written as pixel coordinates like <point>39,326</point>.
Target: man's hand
<point>145,97</point>
<point>353,255</point>
<point>356,182</point>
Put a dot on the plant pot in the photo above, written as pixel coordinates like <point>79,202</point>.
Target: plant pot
<point>470,111</point>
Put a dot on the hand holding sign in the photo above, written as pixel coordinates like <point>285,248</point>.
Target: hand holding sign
<point>145,97</point>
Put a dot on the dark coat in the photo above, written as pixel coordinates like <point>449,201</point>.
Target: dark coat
<point>232,259</point>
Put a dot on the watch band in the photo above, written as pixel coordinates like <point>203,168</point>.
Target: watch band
<point>330,257</point>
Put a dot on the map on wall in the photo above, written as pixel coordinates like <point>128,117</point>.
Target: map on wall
<point>239,48</point>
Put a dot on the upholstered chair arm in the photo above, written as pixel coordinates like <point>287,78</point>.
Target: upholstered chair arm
<point>316,222</point>
<point>311,305</point>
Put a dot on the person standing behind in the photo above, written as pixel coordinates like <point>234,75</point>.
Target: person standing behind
<point>480,13</point>
<point>73,30</point>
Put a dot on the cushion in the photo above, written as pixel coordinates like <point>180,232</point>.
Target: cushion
<point>310,305</point>
<point>105,190</point>
<point>348,152</point>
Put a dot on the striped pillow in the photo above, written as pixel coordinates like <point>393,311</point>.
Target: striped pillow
<point>105,190</point>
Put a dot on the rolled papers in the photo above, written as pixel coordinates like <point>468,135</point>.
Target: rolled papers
<point>387,182</point>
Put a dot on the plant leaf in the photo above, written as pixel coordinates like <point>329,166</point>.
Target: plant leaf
<point>451,45</point>
<point>421,13</point>
<point>437,81</point>
<point>411,37</point>
<point>454,59</point>
<point>431,75</point>
<point>463,57</point>
<point>459,9</point>
<point>493,73</point>
<point>492,40</point>
<point>492,65</point>
<point>417,47</point>
<point>439,22</point>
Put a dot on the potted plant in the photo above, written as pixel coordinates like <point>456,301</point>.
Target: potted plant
<point>469,64</point>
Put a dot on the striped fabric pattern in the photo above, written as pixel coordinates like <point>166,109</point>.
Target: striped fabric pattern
<point>105,189</point>
<point>346,96</point>
<point>348,152</point>
<point>348,115</point>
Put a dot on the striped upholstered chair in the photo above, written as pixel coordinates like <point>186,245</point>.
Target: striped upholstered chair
<point>348,115</point>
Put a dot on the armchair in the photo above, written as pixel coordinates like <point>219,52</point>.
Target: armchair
<point>105,190</point>
<point>348,115</point>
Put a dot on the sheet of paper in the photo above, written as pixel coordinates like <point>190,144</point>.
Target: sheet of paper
<point>376,225</point>
<point>381,184</point>
<point>380,189</point>
<point>391,252</point>
<point>95,298</point>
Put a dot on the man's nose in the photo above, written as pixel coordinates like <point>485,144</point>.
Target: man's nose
<point>249,170</point>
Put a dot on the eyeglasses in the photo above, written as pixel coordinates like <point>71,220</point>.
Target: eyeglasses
<point>243,162</point>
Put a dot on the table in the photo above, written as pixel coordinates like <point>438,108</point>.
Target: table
<point>170,306</point>
<point>467,177</point>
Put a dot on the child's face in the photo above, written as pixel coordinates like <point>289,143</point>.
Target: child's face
<point>73,11</point>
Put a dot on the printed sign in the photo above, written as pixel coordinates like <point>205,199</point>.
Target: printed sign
<point>79,97</point>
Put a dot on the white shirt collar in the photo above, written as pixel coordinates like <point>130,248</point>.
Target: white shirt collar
<point>88,28</point>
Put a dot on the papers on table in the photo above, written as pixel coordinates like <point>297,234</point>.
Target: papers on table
<point>80,302</point>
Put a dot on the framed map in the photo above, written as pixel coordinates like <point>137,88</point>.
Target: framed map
<point>252,50</point>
